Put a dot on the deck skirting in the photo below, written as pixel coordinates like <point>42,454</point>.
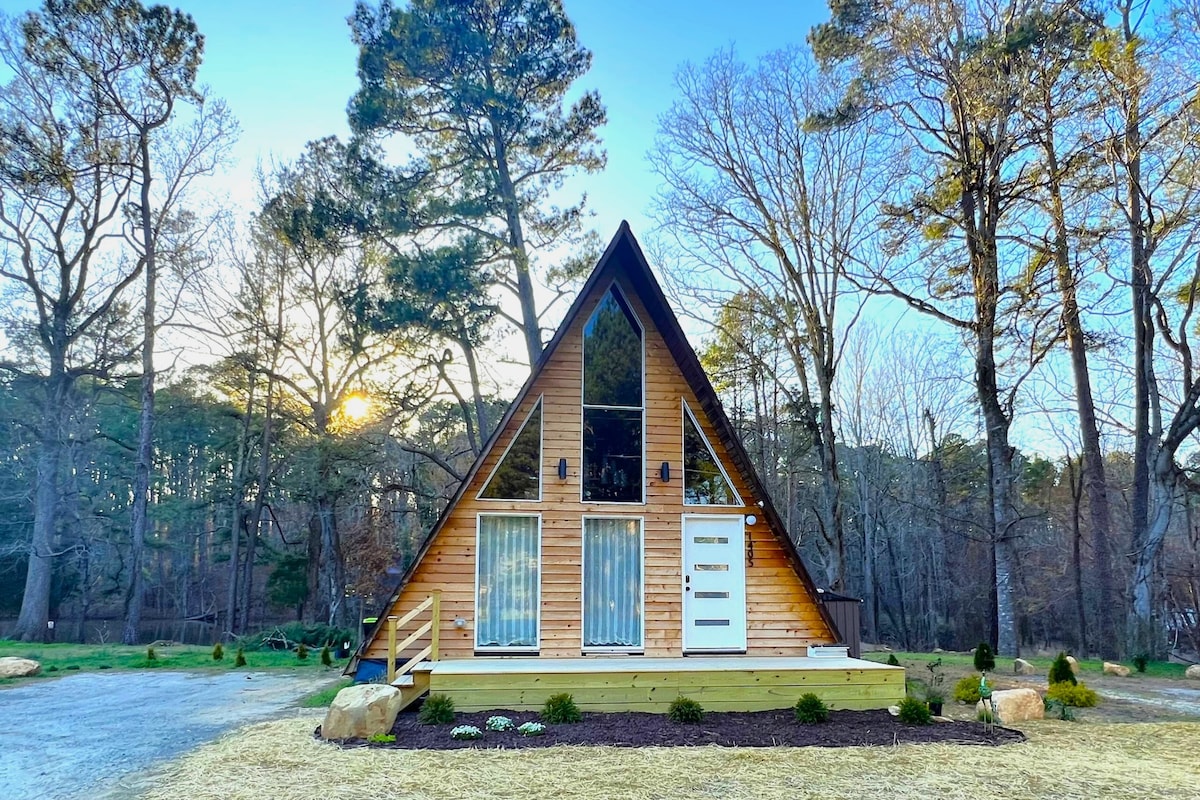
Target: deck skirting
<point>650,684</point>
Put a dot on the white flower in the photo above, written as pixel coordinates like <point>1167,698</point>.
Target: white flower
<point>499,723</point>
<point>466,732</point>
<point>532,729</point>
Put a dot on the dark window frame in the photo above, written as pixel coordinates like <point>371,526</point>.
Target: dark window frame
<point>627,308</point>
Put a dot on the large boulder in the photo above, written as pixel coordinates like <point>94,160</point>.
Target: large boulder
<point>1119,670</point>
<point>361,711</point>
<point>1073,664</point>
<point>1023,667</point>
<point>13,667</point>
<point>1016,705</point>
<point>1193,672</point>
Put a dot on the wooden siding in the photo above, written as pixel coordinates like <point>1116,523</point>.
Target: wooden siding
<point>718,684</point>
<point>782,619</point>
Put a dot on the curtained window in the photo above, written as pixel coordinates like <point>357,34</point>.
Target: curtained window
<point>507,578</point>
<point>612,583</point>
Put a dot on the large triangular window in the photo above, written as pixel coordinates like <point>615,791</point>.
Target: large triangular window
<point>613,470</point>
<point>518,476</point>
<point>704,480</point>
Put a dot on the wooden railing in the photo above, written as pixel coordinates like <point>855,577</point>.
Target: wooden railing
<point>430,652</point>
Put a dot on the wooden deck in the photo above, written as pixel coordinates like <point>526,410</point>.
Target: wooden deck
<point>729,683</point>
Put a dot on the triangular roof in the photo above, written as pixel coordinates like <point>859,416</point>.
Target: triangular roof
<point>624,255</point>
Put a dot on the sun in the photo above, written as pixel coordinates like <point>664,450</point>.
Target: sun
<point>356,407</point>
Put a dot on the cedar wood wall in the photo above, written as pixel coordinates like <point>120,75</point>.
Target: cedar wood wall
<point>782,619</point>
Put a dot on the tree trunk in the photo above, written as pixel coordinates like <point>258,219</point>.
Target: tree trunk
<point>1143,630</point>
<point>35,603</point>
<point>530,324</point>
<point>1094,482</point>
<point>330,569</point>
<point>139,514</point>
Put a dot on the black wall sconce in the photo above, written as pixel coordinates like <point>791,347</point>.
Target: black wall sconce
<point>562,469</point>
<point>665,471</point>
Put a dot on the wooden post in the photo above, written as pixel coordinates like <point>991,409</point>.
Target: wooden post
<point>391,660</point>
<point>435,631</point>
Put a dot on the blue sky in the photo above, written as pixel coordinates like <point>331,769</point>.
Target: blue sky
<point>287,70</point>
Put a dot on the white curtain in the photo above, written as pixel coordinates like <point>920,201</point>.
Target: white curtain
<point>506,606</point>
<point>612,583</point>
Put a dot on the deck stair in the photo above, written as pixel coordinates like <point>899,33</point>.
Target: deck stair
<point>412,676</point>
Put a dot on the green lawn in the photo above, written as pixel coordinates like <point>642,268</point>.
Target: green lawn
<point>324,697</point>
<point>59,659</point>
<point>915,663</point>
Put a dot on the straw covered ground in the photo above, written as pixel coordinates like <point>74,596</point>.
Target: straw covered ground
<point>281,760</point>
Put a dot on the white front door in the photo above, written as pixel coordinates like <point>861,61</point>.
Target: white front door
<point>714,583</point>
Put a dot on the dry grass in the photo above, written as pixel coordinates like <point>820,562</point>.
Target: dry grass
<point>280,760</point>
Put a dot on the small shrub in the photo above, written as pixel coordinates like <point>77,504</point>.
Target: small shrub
<point>466,732</point>
<point>985,716</point>
<point>985,659</point>
<point>685,710</point>
<point>498,723</point>
<point>150,654</point>
<point>326,657</point>
<point>810,710</point>
<point>218,652</point>
<point>560,709</point>
<point>51,668</point>
<point>914,712</point>
<point>438,709</point>
<point>240,659</point>
<point>967,690</point>
<point>1140,661</point>
<point>1060,671</point>
<point>531,729</point>
<point>892,662</point>
<point>381,738</point>
<point>302,651</point>
<point>1054,709</point>
<point>1071,694</point>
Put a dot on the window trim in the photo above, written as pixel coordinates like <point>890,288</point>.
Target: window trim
<point>535,649</point>
<point>587,649</point>
<point>541,458</point>
<point>738,502</point>
<point>613,286</point>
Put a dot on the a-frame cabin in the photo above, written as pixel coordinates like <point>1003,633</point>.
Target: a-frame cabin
<point>614,542</point>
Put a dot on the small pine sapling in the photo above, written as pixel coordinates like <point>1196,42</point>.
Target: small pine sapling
<point>218,652</point>
<point>150,654</point>
<point>1140,661</point>
<point>302,651</point>
<point>1060,670</point>
<point>240,659</point>
<point>810,710</point>
<point>686,710</point>
<point>326,657</point>
<point>985,659</point>
<point>560,709</point>
<point>914,712</point>
<point>892,662</point>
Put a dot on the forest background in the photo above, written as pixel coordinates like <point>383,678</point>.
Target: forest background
<point>938,256</point>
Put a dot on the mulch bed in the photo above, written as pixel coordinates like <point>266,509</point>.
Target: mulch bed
<point>727,729</point>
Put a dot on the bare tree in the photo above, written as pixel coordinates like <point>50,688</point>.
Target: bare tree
<point>760,203</point>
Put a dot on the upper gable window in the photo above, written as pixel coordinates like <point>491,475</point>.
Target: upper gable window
<point>612,355</point>
<point>613,421</point>
<point>704,480</point>
<point>518,476</point>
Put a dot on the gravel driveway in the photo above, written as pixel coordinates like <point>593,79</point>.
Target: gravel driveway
<point>76,737</point>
